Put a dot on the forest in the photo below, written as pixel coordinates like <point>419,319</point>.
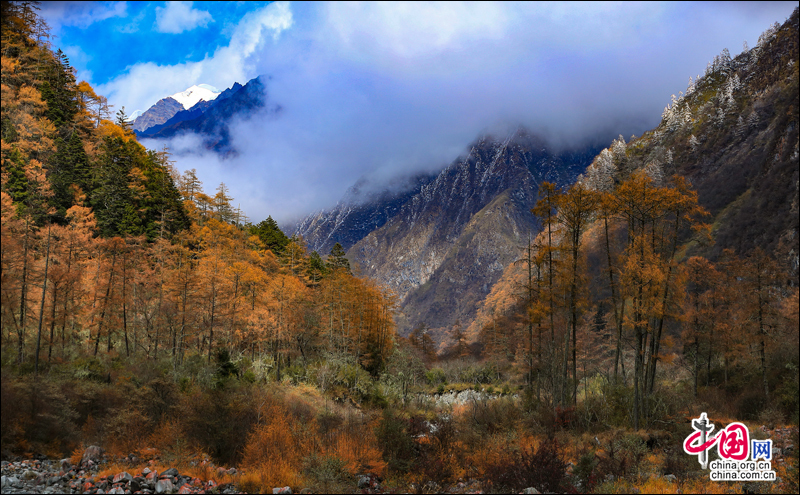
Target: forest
<point>149,317</point>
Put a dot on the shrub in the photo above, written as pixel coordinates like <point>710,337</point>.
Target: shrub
<point>436,376</point>
<point>493,416</point>
<point>396,442</point>
<point>583,472</point>
<point>542,468</point>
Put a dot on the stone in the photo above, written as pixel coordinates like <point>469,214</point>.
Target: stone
<point>530,490</point>
<point>122,477</point>
<point>363,482</point>
<point>776,452</point>
<point>185,489</point>
<point>164,486</point>
<point>117,490</point>
<point>135,485</point>
<point>4,482</point>
<point>231,471</point>
<point>172,472</point>
<point>65,464</point>
<point>281,490</point>
<point>92,454</point>
<point>671,478</point>
<point>146,471</point>
<point>53,480</point>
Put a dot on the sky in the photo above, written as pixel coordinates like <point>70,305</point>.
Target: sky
<point>390,89</point>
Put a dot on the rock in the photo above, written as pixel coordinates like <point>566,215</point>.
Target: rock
<point>231,471</point>
<point>363,482</point>
<point>4,482</point>
<point>122,477</point>
<point>530,490</point>
<point>164,486</point>
<point>671,478</point>
<point>284,489</point>
<point>92,454</point>
<point>776,452</point>
<point>185,489</point>
<point>117,490</point>
<point>53,480</point>
<point>172,472</point>
<point>65,464</point>
<point>135,485</point>
<point>146,471</point>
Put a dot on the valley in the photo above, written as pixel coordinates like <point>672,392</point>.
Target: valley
<point>535,315</point>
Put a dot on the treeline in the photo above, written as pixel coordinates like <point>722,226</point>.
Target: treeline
<point>105,247</point>
<point>608,285</point>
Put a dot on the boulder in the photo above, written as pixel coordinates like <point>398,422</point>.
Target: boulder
<point>281,490</point>
<point>92,454</point>
<point>122,477</point>
<point>172,472</point>
<point>530,490</point>
<point>164,486</point>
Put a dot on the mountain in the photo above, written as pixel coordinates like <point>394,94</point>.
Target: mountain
<point>442,241</point>
<point>734,135</point>
<point>162,111</point>
<point>211,119</point>
<point>363,209</point>
<point>166,108</point>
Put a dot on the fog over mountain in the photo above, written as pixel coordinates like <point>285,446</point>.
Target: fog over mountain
<point>387,90</point>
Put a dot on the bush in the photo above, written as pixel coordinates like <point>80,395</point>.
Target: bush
<point>542,468</point>
<point>396,442</point>
<point>436,376</point>
<point>493,416</point>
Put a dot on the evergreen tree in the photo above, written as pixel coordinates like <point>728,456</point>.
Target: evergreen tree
<point>271,235</point>
<point>337,260</point>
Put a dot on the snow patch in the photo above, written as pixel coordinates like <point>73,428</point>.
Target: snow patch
<point>191,96</point>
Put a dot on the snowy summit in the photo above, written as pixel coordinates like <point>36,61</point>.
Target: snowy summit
<point>198,92</point>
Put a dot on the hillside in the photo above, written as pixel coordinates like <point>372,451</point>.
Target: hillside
<point>448,244</point>
<point>211,120</point>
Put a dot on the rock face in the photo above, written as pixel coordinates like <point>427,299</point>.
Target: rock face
<point>449,242</point>
<point>212,119</point>
<point>361,211</point>
<point>162,111</point>
<point>735,136</point>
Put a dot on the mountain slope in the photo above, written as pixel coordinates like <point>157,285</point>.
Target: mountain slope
<point>211,120</point>
<point>162,111</point>
<point>166,108</point>
<point>449,243</point>
<point>734,135</point>
<point>360,211</point>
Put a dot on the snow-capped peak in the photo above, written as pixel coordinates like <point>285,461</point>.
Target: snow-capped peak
<point>198,92</point>
<point>134,116</point>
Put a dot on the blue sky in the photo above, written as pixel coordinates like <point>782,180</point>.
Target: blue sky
<point>393,88</point>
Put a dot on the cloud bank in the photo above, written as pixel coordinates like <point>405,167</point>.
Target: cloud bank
<point>178,17</point>
<point>396,88</point>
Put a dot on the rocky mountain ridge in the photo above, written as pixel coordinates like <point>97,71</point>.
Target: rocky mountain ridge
<point>212,119</point>
<point>446,241</point>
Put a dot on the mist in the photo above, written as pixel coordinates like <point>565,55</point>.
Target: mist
<point>388,90</point>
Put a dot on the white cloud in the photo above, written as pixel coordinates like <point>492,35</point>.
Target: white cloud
<point>143,84</point>
<point>401,87</point>
<point>178,17</point>
<point>80,14</point>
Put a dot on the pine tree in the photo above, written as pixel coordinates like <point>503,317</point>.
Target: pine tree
<point>337,259</point>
